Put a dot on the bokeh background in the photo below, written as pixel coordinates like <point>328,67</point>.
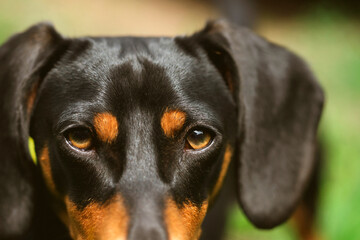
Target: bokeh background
<point>326,34</point>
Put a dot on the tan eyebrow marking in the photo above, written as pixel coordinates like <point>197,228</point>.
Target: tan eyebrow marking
<point>223,171</point>
<point>184,223</point>
<point>108,221</point>
<point>172,121</point>
<point>106,126</point>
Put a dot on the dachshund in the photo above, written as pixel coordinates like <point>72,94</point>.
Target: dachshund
<point>132,138</point>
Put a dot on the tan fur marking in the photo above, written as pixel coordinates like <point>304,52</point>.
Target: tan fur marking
<point>106,127</point>
<point>101,222</point>
<point>31,98</point>
<point>184,223</point>
<point>229,81</point>
<point>303,221</point>
<point>44,161</point>
<point>172,121</point>
<point>58,199</point>
<point>223,171</point>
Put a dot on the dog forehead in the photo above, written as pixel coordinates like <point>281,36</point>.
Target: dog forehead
<point>104,53</point>
<point>127,63</point>
<point>120,74</point>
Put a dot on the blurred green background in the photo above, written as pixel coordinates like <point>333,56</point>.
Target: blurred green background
<point>329,40</point>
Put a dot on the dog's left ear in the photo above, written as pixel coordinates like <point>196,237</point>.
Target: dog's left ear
<point>25,59</point>
<point>279,106</point>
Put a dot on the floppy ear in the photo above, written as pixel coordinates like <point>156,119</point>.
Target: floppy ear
<point>279,106</point>
<point>25,59</point>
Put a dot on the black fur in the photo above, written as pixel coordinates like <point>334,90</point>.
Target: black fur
<point>256,96</point>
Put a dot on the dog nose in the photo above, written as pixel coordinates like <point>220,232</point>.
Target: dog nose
<point>147,231</point>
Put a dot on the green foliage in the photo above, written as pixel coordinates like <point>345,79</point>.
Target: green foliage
<point>337,64</point>
<point>239,228</point>
<point>6,29</point>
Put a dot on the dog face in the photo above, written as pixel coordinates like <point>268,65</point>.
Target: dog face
<point>134,136</point>
<point>134,130</point>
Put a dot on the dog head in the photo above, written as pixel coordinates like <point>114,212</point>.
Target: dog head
<point>134,136</point>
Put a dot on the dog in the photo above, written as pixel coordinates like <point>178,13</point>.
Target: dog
<point>133,137</point>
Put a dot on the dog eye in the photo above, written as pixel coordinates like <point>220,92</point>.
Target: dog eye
<point>80,138</point>
<point>198,139</point>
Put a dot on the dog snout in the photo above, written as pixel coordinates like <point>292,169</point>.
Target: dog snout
<point>145,230</point>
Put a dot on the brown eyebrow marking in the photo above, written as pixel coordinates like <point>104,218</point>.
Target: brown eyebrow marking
<point>106,126</point>
<point>172,121</point>
<point>44,161</point>
<point>108,221</point>
<point>184,223</point>
<point>223,171</point>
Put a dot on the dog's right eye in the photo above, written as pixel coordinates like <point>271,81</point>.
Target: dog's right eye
<point>80,138</point>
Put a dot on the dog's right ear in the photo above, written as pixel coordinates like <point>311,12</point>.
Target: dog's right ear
<point>25,59</point>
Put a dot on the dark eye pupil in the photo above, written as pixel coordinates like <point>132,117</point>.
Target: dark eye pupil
<point>80,135</point>
<point>197,136</point>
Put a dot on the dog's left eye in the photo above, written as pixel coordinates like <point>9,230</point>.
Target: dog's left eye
<point>198,139</point>
<point>80,138</point>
